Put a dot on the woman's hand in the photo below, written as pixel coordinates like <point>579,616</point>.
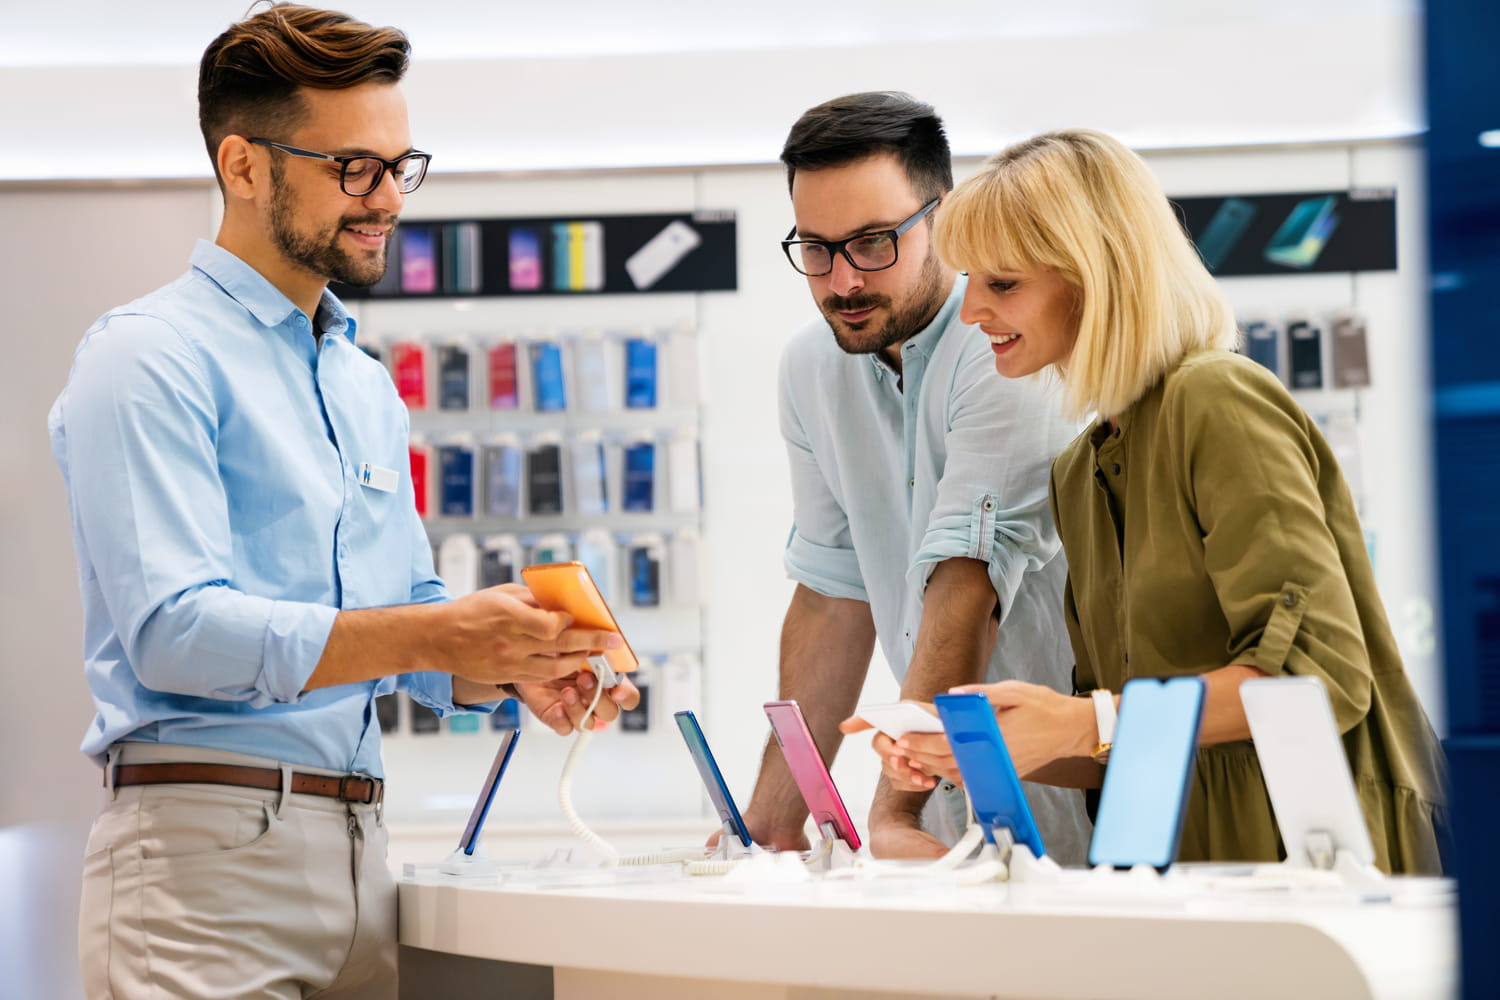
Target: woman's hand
<point>1039,724</point>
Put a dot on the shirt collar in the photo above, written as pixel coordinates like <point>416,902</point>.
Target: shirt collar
<point>263,300</point>
<point>925,341</point>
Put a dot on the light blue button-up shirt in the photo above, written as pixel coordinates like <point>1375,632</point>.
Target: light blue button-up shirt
<point>894,473</point>
<point>211,444</point>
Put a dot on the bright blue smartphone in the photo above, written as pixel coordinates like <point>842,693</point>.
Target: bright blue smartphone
<point>1150,770</point>
<point>507,721</point>
<point>985,764</point>
<point>713,780</point>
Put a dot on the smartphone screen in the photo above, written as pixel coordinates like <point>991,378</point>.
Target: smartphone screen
<point>1144,799</point>
<point>507,720</point>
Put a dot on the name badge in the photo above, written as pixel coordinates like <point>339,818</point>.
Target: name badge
<point>376,478</point>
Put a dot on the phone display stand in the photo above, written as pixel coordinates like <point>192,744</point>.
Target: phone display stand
<point>476,865</point>
<point>729,854</point>
<point>1014,862</point>
<point>831,853</point>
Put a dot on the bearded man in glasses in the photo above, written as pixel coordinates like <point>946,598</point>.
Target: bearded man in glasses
<point>254,573</point>
<point>919,478</point>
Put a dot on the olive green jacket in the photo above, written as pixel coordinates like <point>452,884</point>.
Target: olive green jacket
<point>1213,526</point>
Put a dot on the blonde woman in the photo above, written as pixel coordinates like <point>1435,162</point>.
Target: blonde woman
<point>1207,527</point>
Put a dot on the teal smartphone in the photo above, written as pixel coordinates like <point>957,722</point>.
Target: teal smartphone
<point>1144,799</point>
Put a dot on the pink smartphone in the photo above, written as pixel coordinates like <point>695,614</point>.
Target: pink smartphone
<point>809,771</point>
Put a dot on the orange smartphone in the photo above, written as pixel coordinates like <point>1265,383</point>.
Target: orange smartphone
<point>567,586</point>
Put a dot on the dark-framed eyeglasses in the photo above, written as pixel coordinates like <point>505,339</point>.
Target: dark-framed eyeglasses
<point>866,252</point>
<point>360,174</point>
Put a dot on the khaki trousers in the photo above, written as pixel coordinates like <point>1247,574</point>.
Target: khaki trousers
<point>213,892</point>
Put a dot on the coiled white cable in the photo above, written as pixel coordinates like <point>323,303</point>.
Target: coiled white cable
<point>565,788</point>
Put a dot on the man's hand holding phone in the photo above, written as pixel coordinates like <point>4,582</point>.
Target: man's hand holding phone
<point>499,636</point>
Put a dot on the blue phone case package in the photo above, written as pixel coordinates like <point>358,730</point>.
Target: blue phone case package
<point>456,465</point>
<point>645,576</point>
<point>640,374</point>
<point>547,377</point>
<point>502,480</point>
<point>640,477</point>
<point>453,377</point>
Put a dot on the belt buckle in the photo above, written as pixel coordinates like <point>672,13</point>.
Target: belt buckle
<point>371,795</point>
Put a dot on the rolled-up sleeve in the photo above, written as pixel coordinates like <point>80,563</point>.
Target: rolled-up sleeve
<point>139,431</point>
<point>1253,469</point>
<point>820,550</point>
<point>991,502</point>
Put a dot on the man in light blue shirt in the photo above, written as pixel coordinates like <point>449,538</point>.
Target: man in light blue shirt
<point>919,476</point>
<point>253,570</point>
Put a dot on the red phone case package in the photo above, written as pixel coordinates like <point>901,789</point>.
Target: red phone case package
<point>409,367</point>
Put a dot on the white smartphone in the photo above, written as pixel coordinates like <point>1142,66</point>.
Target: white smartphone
<point>661,253</point>
<point>900,718</point>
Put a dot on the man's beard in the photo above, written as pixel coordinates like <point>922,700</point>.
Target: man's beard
<point>320,253</point>
<point>901,323</point>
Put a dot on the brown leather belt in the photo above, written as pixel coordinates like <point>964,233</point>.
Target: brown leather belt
<point>344,787</point>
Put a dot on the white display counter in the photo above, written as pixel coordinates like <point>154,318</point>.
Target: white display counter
<point>1109,937</point>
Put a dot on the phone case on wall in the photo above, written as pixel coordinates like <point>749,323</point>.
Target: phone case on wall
<point>1351,352</point>
<point>502,478</point>
<point>505,388</point>
<point>547,376</point>
<point>460,258</point>
<point>418,453</point>
<point>422,720</point>
<point>986,767</point>
<point>1144,799</point>
<point>589,492</point>
<point>1263,345</point>
<point>640,477</point>
<point>409,369</point>
<point>713,779</point>
<point>499,560</point>
<point>456,465</point>
<point>544,478</point>
<point>645,571</point>
<point>453,377</point>
<point>458,564</point>
<point>640,373</point>
<point>810,771</point>
<point>1305,345</point>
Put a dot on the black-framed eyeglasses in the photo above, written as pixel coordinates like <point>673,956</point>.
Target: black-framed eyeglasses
<point>360,174</point>
<point>866,252</point>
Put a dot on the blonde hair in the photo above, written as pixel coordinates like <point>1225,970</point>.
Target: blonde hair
<point>1084,205</point>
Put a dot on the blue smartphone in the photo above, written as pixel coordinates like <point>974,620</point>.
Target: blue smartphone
<point>994,787</point>
<point>507,721</point>
<point>640,374</point>
<point>1301,238</point>
<point>713,780</point>
<point>547,374</point>
<point>1144,800</point>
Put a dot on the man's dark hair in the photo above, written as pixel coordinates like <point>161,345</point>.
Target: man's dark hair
<point>848,129</point>
<point>249,76</point>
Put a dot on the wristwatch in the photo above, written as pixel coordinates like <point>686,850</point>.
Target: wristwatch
<point>1104,717</point>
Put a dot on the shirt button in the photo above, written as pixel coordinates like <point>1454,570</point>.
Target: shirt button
<point>1115,468</point>
<point>1290,600</point>
<point>989,503</point>
<point>911,484</point>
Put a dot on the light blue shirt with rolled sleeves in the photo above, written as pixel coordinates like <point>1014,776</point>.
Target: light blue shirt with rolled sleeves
<point>212,445</point>
<point>894,473</point>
